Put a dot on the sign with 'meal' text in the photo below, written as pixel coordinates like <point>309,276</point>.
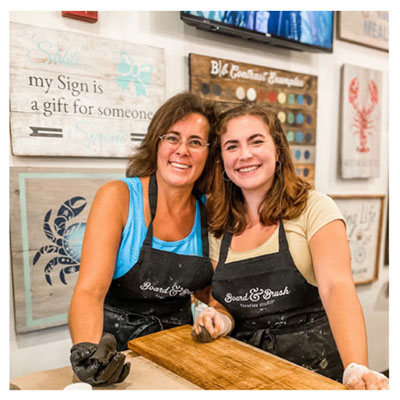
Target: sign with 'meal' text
<point>81,95</point>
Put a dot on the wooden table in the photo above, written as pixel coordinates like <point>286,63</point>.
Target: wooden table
<point>226,363</point>
<point>144,375</point>
<point>172,360</point>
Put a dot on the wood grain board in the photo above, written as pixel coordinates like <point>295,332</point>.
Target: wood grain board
<point>79,95</point>
<point>226,363</point>
<point>291,95</point>
<point>48,213</point>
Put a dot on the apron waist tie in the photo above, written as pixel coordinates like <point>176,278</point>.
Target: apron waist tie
<point>263,338</point>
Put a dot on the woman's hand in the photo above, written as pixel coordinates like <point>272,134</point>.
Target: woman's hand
<point>99,364</point>
<point>359,377</point>
<point>211,324</point>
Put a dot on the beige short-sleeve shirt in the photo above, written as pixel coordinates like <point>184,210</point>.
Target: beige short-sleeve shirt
<point>320,210</point>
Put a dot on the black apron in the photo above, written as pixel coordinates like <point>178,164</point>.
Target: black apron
<point>275,309</point>
<point>155,293</point>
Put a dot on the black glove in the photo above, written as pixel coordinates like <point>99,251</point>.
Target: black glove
<point>99,364</point>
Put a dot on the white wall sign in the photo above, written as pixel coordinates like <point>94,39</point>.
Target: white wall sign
<point>80,95</point>
<point>368,28</point>
<point>363,215</point>
<point>361,105</point>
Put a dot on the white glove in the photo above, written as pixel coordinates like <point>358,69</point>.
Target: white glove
<point>359,377</point>
<point>216,323</point>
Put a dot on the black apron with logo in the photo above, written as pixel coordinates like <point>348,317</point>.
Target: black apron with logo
<point>275,309</point>
<point>155,293</point>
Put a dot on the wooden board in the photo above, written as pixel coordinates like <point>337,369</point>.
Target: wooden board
<point>291,95</point>
<point>226,363</point>
<point>78,95</point>
<point>45,248</point>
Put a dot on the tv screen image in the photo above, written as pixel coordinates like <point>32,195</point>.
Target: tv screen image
<point>298,30</point>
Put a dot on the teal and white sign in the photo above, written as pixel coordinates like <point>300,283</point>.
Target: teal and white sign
<point>49,210</point>
<point>78,95</point>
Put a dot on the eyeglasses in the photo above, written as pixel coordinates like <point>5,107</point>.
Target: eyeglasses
<point>193,144</point>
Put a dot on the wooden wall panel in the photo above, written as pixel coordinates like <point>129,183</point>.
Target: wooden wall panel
<point>291,95</point>
<point>48,210</point>
<point>67,85</point>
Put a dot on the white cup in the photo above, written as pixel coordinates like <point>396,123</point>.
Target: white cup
<point>78,386</point>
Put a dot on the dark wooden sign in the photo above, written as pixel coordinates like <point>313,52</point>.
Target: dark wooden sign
<point>292,95</point>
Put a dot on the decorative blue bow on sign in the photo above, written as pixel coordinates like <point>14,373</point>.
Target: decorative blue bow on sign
<point>139,74</point>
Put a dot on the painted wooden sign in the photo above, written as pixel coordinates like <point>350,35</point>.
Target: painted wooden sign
<point>363,215</point>
<point>367,28</point>
<point>81,95</point>
<point>292,95</point>
<point>49,210</point>
<point>361,105</point>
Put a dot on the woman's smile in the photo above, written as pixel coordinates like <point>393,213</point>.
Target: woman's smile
<point>249,153</point>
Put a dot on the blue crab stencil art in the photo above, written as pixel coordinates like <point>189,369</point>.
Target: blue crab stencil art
<point>139,74</point>
<point>67,240</point>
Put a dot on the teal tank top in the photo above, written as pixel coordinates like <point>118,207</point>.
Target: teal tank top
<point>135,231</point>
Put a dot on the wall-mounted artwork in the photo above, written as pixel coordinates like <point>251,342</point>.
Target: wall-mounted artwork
<point>48,209</point>
<point>366,28</point>
<point>361,103</point>
<point>78,95</point>
<point>363,215</point>
<point>292,95</point>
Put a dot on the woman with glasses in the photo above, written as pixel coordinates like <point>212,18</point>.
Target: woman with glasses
<point>281,256</point>
<point>145,250</point>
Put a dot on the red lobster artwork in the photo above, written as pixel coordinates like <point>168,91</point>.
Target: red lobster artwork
<point>363,120</point>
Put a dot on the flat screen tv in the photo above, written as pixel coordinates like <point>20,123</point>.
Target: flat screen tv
<point>298,30</point>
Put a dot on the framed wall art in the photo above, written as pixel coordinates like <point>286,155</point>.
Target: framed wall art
<point>363,215</point>
<point>360,136</point>
<point>48,213</point>
<point>291,95</point>
<point>366,28</point>
<point>79,95</point>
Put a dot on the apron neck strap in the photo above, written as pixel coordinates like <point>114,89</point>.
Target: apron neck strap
<point>204,228</point>
<point>153,192</point>
<point>225,243</point>
<point>283,243</point>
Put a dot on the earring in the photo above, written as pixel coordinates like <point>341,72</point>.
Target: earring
<point>278,166</point>
<point>225,177</point>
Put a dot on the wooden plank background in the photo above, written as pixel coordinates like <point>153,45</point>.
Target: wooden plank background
<point>66,87</point>
<point>33,193</point>
<point>292,95</point>
<point>226,363</point>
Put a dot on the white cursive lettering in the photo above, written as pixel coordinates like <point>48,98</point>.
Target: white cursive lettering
<point>256,294</point>
<point>175,290</point>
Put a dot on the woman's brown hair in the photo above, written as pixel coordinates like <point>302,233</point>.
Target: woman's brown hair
<point>144,161</point>
<point>286,197</point>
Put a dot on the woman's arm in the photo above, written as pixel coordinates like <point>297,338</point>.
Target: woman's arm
<point>332,267</point>
<point>104,227</point>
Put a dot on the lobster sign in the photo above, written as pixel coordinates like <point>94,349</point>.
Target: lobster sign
<point>362,121</point>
